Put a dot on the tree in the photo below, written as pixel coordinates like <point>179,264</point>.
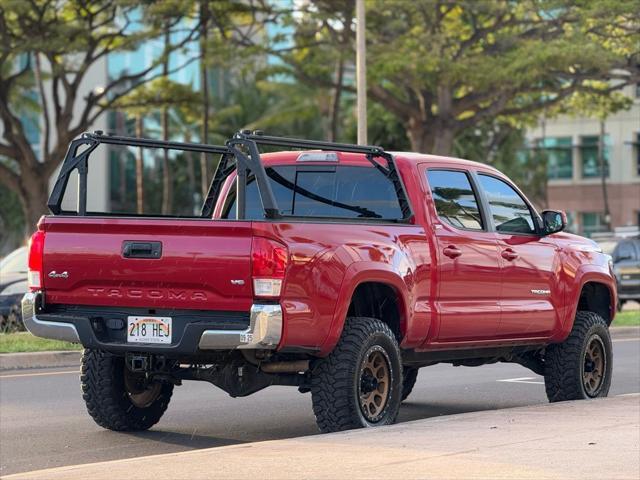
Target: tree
<point>51,47</point>
<point>161,95</point>
<point>442,67</point>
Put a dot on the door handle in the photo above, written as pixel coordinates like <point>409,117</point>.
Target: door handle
<point>141,249</point>
<point>509,254</point>
<point>452,251</point>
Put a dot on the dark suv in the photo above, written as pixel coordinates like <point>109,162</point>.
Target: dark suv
<point>626,266</point>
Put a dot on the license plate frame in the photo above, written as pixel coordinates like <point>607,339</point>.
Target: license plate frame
<point>149,329</point>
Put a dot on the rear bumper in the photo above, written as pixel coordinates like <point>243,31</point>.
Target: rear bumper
<point>263,332</point>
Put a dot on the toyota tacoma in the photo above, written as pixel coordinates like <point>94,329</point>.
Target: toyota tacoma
<point>338,269</point>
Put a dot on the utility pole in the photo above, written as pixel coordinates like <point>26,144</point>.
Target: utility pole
<point>361,72</point>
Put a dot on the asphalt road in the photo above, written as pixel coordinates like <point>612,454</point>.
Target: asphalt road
<point>43,422</point>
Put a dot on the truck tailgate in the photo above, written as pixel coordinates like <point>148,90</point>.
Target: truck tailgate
<point>203,264</point>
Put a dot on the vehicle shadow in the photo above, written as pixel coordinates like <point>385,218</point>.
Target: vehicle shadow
<point>410,411</point>
<point>189,441</point>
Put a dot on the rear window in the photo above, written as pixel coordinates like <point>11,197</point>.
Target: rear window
<point>332,192</point>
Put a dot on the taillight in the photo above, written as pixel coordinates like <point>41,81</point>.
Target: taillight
<point>36,250</point>
<point>268,264</point>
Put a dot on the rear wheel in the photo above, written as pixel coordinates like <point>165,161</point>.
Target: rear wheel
<point>118,399</point>
<point>580,367</point>
<point>409,377</point>
<point>360,383</point>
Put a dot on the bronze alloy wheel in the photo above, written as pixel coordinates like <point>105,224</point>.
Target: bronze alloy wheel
<point>375,383</point>
<point>141,395</point>
<point>594,368</point>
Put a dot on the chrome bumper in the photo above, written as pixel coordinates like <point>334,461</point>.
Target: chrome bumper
<point>264,332</point>
<point>40,328</point>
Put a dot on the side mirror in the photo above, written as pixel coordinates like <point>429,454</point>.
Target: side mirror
<point>554,221</point>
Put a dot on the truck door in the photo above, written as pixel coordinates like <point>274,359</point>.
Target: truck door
<point>530,294</point>
<point>467,302</point>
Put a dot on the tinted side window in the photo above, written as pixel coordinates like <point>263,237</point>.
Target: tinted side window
<point>455,201</point>
<point>509,211</point>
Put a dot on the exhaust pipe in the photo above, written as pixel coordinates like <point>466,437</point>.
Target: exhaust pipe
<point>285,367</point>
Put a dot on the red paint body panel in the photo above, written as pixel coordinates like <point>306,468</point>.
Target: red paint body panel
<point>477,299</point>
<point>199,259</point>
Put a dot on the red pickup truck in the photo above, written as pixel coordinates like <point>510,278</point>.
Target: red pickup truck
<point>336,268</point>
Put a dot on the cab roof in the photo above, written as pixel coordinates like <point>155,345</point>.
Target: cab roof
<point>360,159</point>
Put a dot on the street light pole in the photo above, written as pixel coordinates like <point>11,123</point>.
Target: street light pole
<point>361,72</point>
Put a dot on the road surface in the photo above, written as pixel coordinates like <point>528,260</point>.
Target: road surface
<point>43,422</point>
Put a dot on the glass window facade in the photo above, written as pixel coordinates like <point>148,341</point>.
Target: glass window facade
<point>559,157</point>
<point>637,152</point>
<point>592,222</point>
<point>589,156</point>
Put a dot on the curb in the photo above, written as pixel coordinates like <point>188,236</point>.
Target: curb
<point>618,333</point>
<point>18,361</point>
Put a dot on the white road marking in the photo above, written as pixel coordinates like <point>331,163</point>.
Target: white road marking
<point>635,339</point>
<point>635,394</point>
<point>521,380</point>
<point>40,374</point>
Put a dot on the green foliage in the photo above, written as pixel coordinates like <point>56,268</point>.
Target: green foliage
<point>443,67</point>
<point>25,342</point>
<point>11,221</point>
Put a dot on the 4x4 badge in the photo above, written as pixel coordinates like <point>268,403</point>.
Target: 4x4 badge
<point>54,274</point>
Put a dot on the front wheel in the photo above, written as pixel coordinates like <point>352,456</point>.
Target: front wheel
<point>360,383</point>
<point>118,399</point>
<point>580,367</point>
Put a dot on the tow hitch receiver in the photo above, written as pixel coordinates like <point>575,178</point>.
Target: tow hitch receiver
<point>138,363</point>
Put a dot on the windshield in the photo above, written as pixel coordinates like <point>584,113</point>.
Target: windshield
<point>15,262</point>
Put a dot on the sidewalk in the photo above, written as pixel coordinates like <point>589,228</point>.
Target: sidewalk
<point>574,440</point>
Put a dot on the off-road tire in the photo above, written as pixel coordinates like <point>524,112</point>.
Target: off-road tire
<point>106,397</point>
<point>565,362</point>
<point>409,377</point>
<point>335,379</point>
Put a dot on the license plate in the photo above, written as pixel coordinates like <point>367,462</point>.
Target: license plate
<point>149,330</point>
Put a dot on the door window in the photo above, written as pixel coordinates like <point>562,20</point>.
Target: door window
<point>455,201</point>
<point>509,211</point>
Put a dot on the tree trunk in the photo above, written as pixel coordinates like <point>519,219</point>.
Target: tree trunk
<point>603,176</point>
<point>334,114</point>
<point>191,175</point>
<point>140,168</point>
<point>167,190</point>
<point>204,85</point>
<point>434,139</point>
<point>33,196</point>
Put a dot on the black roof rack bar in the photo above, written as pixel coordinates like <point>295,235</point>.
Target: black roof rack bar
<point>251,162</point>
<point>152,143</point>
<point>79,160</point>
<point>302,143</point>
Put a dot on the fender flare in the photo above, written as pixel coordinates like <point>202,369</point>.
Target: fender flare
<point>355,275</point>
<point>585,274</point>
